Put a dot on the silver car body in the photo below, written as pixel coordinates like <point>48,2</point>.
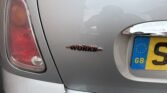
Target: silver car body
<point>61,23</point>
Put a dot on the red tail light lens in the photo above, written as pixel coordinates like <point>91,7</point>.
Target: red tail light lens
<point>22,47</point>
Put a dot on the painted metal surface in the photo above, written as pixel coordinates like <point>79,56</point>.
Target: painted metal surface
<point>18,84</point>
<point>91,22</point>
<point>96,22</point>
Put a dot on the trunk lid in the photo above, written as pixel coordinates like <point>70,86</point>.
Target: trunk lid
<point>94,22</point>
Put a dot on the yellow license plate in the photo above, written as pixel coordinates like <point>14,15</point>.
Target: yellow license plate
<point>149,53</point>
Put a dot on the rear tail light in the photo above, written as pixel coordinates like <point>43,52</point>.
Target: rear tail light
<point>22,49</point>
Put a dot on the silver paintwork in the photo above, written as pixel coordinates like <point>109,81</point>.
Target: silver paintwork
<point>157,28</point>
<point>17,84</point>
<point>92,22</point>
<point>98,22</point>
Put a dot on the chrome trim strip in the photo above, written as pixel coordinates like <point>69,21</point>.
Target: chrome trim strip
<point>157,28</point>
<point>73,91</point>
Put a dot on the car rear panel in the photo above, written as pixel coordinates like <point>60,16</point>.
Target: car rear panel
<point>95,22</point>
